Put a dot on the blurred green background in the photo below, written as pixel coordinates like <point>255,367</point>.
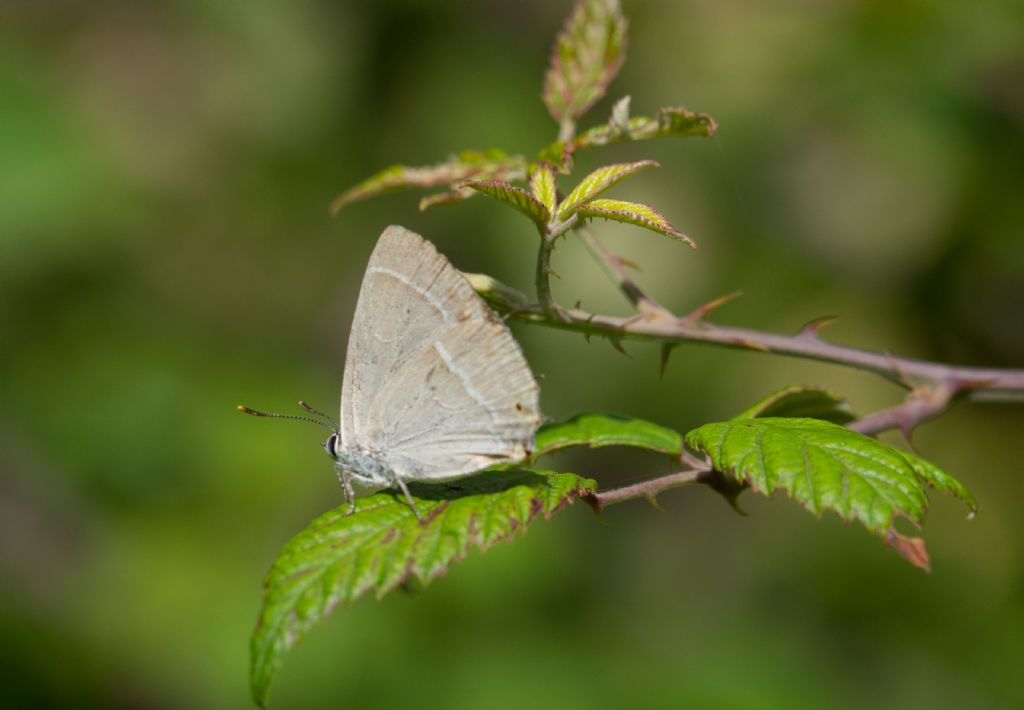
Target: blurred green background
<point>166,254</point>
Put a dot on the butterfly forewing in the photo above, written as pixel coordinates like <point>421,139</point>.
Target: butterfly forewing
<point>409,294</point>
<point>434,382</point>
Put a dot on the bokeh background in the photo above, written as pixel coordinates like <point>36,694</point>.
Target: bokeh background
<point>166,254</point>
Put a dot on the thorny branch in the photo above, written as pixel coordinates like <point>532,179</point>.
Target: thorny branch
<point>977,383</point>
<point>933,386</point>
<point>648,489</point>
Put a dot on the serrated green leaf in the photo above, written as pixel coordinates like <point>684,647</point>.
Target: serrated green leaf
<point>587,55</point>
<point>515,197</point>
<point>666,122</point>
<point>632,213</point>
<point>596,430</point>
<point>482,165</point>
<point>598,181</point>
<point>543,187</point>
<point>940,480</point>
<point>824,466</point>
<point>802,401</point>
<point>821,465</point>
<point>444,198</point>
<point>340,557</point>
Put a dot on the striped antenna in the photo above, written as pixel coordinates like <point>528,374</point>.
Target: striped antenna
<point>242,408</point>
<point>328,417</point>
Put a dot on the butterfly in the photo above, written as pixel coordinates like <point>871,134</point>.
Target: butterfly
<point>435,387</point>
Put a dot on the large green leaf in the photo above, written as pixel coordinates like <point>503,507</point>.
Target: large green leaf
<point>492,164</point>
<point>515,197</point>
<point>802,401</point>
<point>824,466</point>
<point>597,430</point>
<point>598,181</point>
<point>340,557</point>
<point>633,213</point>
<point>587,55</point>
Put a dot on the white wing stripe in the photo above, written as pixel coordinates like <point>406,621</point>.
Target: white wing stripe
<point>427,295</point>
<point>449,361</point>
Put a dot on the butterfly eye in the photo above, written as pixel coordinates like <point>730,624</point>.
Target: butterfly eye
<point>331,446</point>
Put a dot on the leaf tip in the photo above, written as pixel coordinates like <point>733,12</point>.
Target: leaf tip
<point>337,204</point>
<point>912,549</point>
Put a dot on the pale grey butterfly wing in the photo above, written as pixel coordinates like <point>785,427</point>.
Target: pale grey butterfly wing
<point>416,317</point>
<point>466,401</point>
<point>409,293</point>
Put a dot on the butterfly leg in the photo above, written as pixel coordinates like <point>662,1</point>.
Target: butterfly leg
<point>346,485</point>
<point>408,497</point>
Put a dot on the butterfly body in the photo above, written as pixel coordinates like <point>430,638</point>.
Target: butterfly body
<point>368,471</point>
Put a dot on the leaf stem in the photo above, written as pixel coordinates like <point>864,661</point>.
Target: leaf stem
<point>648,489</point>
<point>566,129</point>
<point>544,295</point>
<point>549,234</point>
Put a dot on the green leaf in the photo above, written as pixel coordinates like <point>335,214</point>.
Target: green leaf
<point>940,480</point>
<point>632,213</point>
<point>598,181</point>
<point>587,55</point>
<point>596,430</point>
<point>515,197</point>
<point>481,165</point>
<point>666,122</point>
<point>444,198</point>
<point>340,557</point>
<point>557,154</point>
<point>824,466</point>
<point>542,185</point>
<point>802,401</point>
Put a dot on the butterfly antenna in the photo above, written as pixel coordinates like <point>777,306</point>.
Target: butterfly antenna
<point>328,417</point>
<point>242,408</point>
